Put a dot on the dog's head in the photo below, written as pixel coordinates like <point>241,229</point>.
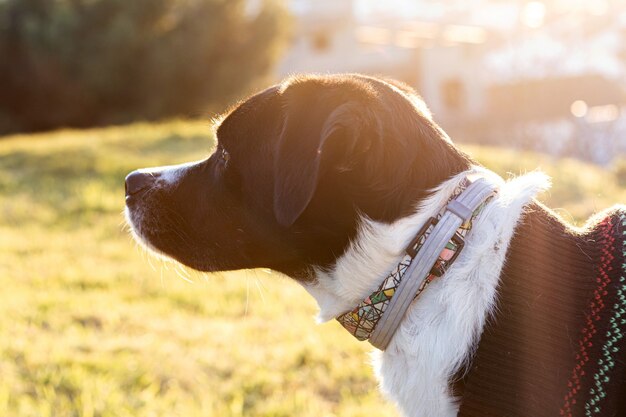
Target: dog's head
<point>294,170</point>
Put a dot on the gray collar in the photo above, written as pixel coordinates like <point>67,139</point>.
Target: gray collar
<point>435,247</point>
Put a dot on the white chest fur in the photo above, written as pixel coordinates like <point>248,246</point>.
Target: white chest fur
<point>442,327</point>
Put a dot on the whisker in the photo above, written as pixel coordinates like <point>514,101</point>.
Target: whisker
<point>245,312</point>
<point>196,275</point>
<point>149,259</point>
<point>256,281</point>
<point>181,273</point>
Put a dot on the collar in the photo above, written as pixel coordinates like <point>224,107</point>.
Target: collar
<point>432,251</point>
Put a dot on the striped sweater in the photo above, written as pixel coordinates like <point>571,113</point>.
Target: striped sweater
<point>556,344</point>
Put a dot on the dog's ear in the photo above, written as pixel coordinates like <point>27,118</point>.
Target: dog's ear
<point>310,141</point>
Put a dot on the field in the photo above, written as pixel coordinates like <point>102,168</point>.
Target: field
<point>92,326</point>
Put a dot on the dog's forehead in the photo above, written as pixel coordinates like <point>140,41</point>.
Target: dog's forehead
<point>245,115</point>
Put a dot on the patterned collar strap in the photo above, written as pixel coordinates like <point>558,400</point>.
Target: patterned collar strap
<point>435,247</point>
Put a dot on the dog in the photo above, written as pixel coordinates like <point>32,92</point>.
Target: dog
<point>327,179</point>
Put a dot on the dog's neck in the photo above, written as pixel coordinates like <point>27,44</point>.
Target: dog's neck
<point>377,247</point>
<point>431,252</point>
<point>555,345</point>
<point>441,328</point>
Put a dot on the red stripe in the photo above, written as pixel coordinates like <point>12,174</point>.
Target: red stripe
<point>593,316</point>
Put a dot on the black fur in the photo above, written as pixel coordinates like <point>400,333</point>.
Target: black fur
<point>306,159</point>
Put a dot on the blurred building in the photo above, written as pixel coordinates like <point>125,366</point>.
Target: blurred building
<point>331,38</point>
<point>328,38</point>
<point>505,72</point>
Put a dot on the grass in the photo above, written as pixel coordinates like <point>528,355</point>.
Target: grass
<point>91,326</point>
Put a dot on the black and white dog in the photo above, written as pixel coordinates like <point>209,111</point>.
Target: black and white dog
<point>326,179</point>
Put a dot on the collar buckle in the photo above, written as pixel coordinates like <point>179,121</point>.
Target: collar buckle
<point>417,242</point>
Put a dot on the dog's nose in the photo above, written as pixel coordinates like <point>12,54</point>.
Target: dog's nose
<point>138,181</point>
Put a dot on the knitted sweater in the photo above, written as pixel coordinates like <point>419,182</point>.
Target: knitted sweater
<point>556,345</point>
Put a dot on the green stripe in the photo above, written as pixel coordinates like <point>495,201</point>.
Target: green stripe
<point>611,347</point>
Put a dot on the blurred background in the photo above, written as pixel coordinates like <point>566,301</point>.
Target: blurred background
<point>91,325</point>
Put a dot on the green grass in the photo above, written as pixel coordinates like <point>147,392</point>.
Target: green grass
<point>91,326</point>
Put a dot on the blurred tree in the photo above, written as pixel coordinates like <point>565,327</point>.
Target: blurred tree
<point>93,62</point>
